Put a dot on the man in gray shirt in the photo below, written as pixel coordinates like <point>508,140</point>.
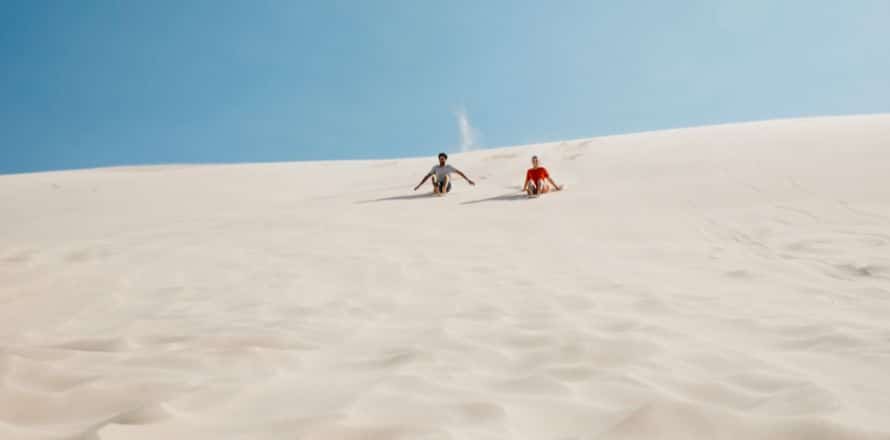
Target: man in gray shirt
<point>441,175</point>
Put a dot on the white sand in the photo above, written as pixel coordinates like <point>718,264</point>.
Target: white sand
<point>727,282</point>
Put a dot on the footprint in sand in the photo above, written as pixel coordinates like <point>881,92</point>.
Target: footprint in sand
<point>20,257</point>
<point>479,412</point>
<point>501,156</point>
<point>101,345</point>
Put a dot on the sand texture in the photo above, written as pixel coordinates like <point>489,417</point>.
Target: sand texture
<point>724,282</point>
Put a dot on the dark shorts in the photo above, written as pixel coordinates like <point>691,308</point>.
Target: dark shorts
<point>441,184</point>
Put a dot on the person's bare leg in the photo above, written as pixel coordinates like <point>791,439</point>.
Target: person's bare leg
<point>530,189</point>
<point>545,188</point>
<point>435,185</point>
<point>445,183</point>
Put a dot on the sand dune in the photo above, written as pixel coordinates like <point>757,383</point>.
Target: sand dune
<point>725,282</point>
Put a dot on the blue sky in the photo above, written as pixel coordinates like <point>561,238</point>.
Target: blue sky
<point>95,83</point>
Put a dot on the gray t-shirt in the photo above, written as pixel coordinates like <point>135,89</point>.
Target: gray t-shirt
<point>441,171</point>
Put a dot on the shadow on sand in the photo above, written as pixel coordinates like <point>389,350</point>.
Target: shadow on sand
<point>425,195</point>
<point>501,198</point>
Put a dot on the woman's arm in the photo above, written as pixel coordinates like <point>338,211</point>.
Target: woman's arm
<point>555,186</point>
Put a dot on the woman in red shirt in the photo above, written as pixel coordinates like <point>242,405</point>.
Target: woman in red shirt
<point>536,179</point>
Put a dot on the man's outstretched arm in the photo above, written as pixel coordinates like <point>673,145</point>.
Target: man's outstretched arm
<point>465,177</point>
<point>423,181</point>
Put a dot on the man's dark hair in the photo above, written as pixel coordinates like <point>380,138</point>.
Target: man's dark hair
<point>443,155</point>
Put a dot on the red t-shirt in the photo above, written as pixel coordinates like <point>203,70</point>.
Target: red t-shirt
<point>538,173</point>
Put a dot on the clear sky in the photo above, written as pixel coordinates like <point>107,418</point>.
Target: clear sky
<point>93,83</point>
